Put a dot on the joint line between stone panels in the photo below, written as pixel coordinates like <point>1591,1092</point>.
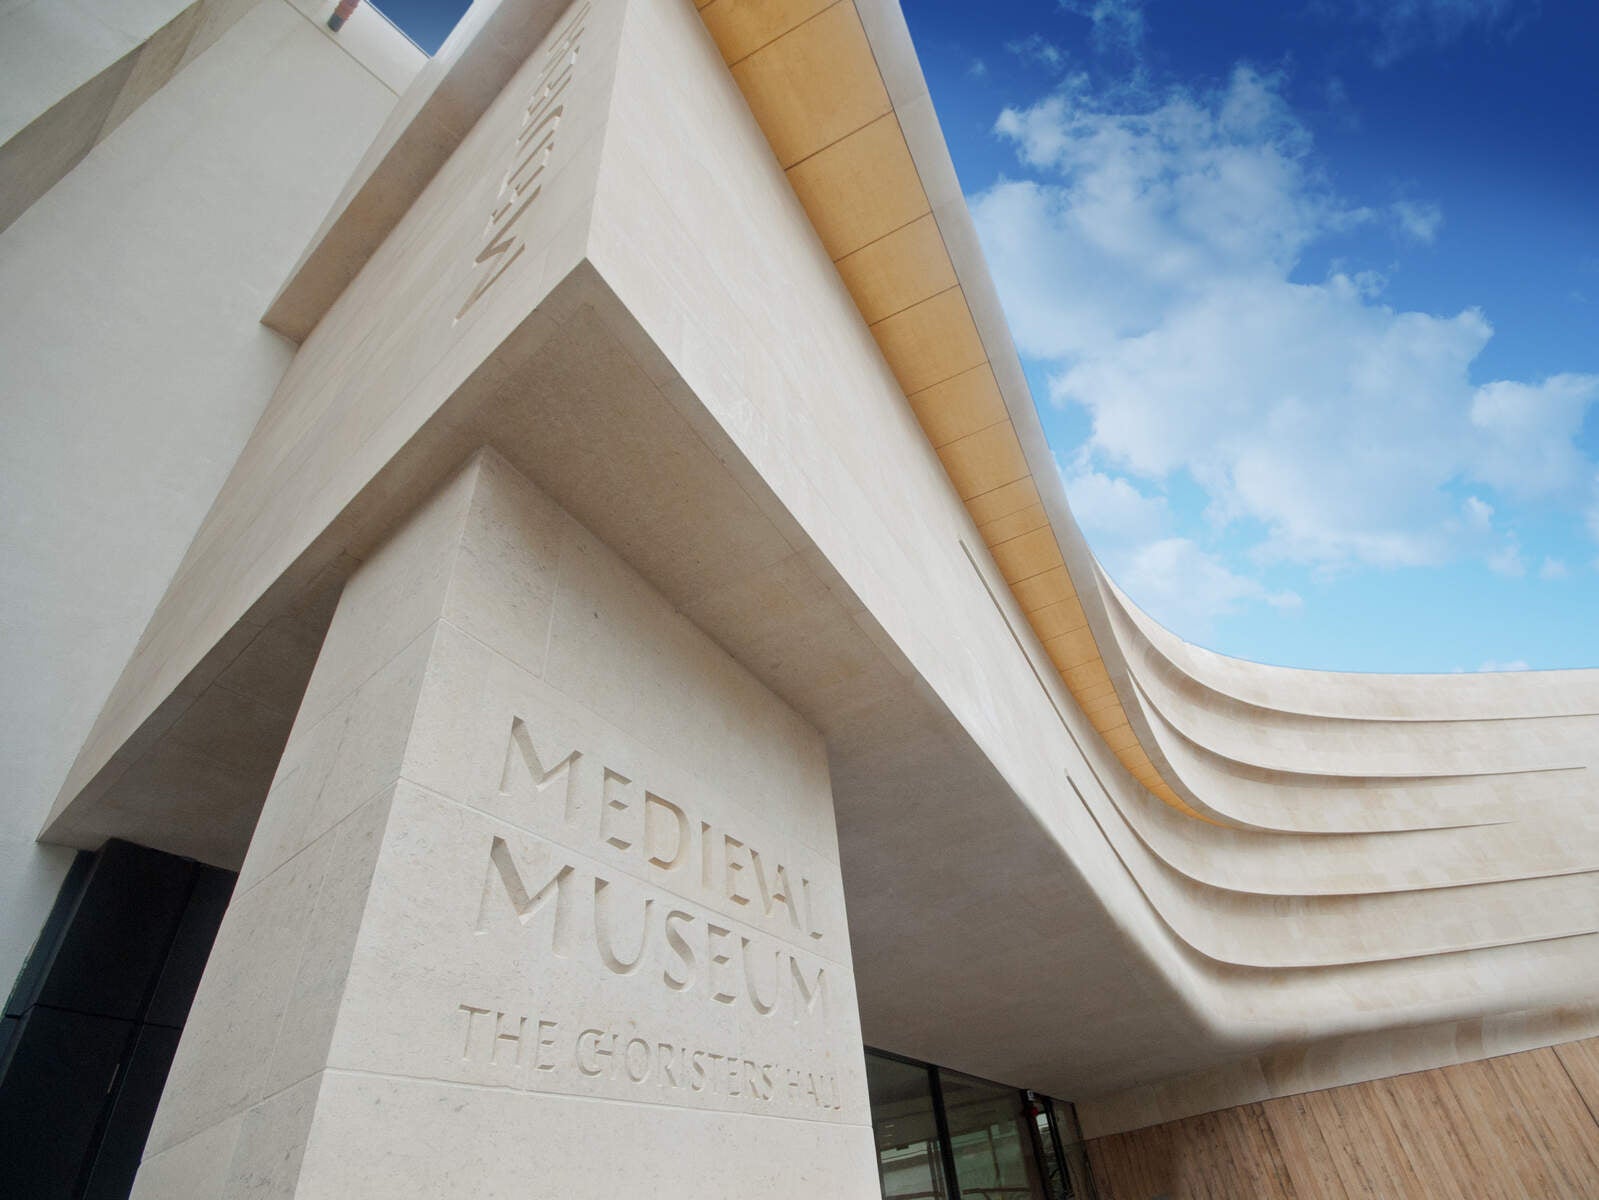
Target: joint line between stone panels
<point>390,781</point>
<point>549,621</point>
<point>1045,571</point>
<point>1022,534</point>
<point>1016,638</point>
<point>849,134</point>
<point>233,691</point>
<point>299,965</point>
<point>143,754</point>
<point>777,37</point>
<point>463,1085</point>
<point>943,241</point>
<point>1005,420</point>
<point>1059,716</point>
<point>642,880</point>
<point>954,287</point>
<point>996,487</point>
<point>425,631</point>
<point>888,234</point>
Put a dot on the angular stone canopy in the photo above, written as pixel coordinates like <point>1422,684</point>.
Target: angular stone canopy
<point>652,431</point>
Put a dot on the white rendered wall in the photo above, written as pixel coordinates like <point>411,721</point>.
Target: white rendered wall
<point>50,47</point>
<point>133,367</point>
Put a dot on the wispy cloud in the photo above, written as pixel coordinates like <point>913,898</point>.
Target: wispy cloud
<point>1418,220</point>
<point>1035,48</point>
<point>1506,560</point>
<point>1514,664</point>
<point>1153,259</point>
<point>1479,514</point>
<point>1403,27</point>
<point>1185,587</point>
<point>1118,25</point>
<point>1178,581</point>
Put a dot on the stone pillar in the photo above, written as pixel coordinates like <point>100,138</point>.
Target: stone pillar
<point>545,901</point>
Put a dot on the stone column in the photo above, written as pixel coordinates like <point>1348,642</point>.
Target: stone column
<point>544,901</point>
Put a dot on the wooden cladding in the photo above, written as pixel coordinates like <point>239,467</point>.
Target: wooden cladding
<point>1521,1127</point>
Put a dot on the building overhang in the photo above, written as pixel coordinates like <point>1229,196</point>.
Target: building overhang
<point>1112,857</point>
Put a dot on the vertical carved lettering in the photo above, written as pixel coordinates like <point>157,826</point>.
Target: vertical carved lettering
<point>471,1011</point>
<point>524,773</point>
<point>616,801</point>
<point>680,947</point>
<point>653,826</point>
<point>734,869</point>
<point>719,960</point>
<point>761,1006</point>
<point>592,1046</point>
<point>500,1035</point>
<point>811,993</point>
<point>777,891</point>
<point>526,905</point>
<point>810,910</point>
<point>604,938</point>
<point>502,241</point>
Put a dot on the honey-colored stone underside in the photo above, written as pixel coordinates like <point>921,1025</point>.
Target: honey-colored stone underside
<point>810,78</point>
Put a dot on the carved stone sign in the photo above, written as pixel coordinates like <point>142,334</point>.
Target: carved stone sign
<point>530,153</point>
<point>613,926</point>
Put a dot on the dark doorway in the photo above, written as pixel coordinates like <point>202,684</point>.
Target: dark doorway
<point>92,1024</point>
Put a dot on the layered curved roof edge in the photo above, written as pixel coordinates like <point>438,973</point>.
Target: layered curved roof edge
<point>1289,823</point>
<point>1310,821</point>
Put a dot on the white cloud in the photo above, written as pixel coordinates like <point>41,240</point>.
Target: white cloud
<point>1405,26</point>
<point>1506,560</point>
<point>1174,578</point>
<point>977,69</point>
<point>1118,24</point>
<point>1553,568</point>
<point>1526,434</point>
<point>1152,207</point>
<point>1515,664</point>
<point>1035,48</point>
<point>1155,264</point>
<point>1418,220</point>
<point>1186,588</point>
<point>1112,512</point>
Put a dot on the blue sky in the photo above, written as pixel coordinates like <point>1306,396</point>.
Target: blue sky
<point>1308,296</point>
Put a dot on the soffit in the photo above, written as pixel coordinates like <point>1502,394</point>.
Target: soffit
<point>809,73</point>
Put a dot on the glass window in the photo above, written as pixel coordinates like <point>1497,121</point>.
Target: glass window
<point>909,1160</point>
<point>945,1136</point>
<point>1073,1150</point>
<point>1056,1184</point>
<point>993,1138</point>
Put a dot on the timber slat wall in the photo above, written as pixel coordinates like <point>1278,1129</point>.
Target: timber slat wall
<point>1521,1127</point>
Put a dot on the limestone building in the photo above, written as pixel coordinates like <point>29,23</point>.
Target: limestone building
<point>540,622</point>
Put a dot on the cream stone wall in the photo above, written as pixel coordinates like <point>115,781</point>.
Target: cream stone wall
<point>408,334</point>
<point>611,282</point>
<point>535,843</point>
<point>132,370</point>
